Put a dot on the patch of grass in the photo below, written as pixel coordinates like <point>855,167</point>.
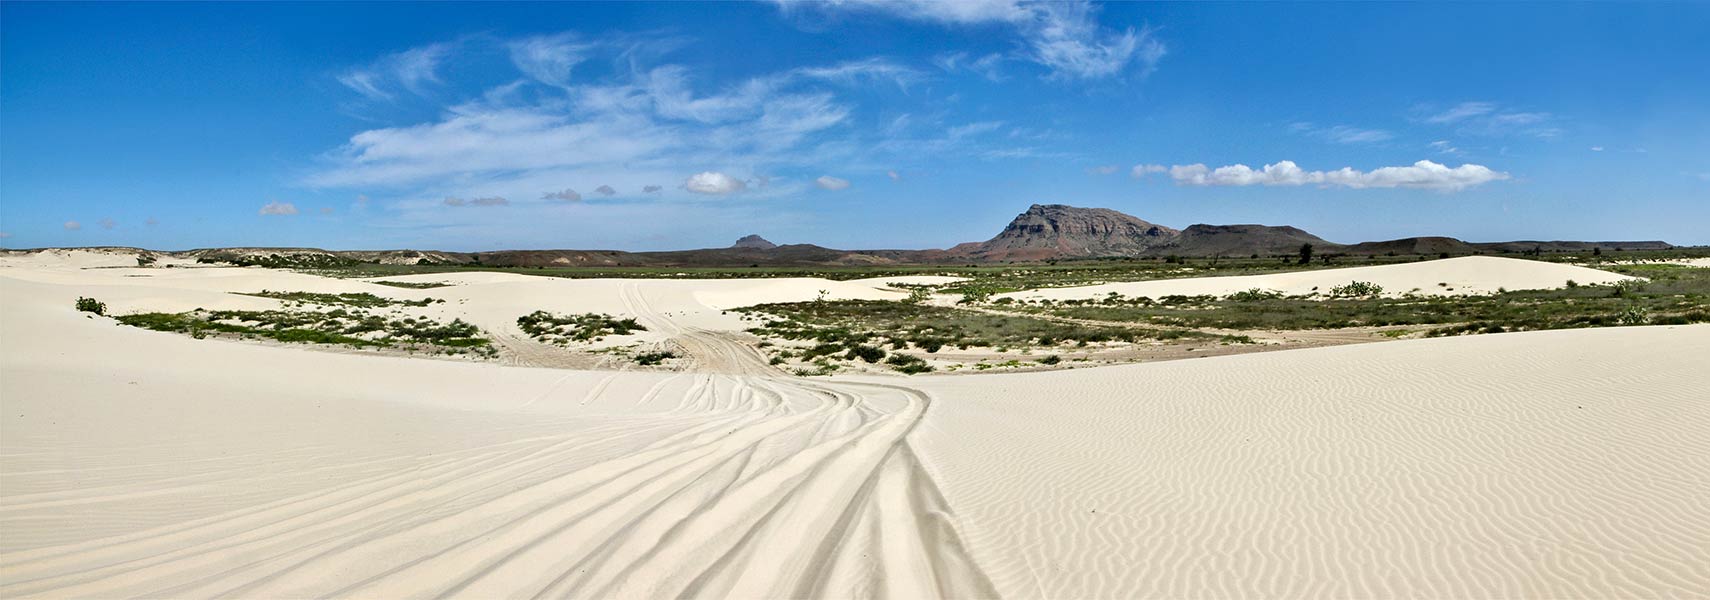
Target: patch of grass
<point>848,325</point>
<point>337,328</point>
<point>564,329</point>
<point>357,299</point>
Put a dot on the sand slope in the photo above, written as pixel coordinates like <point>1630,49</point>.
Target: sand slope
<point>1561,464</point>
<point>145,464</point>
<point>1464,275</point>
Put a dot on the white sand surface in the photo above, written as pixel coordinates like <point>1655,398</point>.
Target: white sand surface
<point>1558,464</point>
<point>145,464</point>
<point>1694,262</point>
<point>1464,275</point>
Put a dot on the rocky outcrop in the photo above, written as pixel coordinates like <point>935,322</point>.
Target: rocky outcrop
<point>1061,231</point>
<point>755,242</point>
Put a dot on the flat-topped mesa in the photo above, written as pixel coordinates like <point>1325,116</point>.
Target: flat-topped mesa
<point>1057,230</point>
<point>755,242</point>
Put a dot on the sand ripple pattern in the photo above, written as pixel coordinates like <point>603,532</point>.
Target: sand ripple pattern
<point>1567,464</point>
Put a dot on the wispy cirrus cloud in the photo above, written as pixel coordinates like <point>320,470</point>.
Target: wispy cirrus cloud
<point>1490,119</point>
<point>409,70</point>
<point>1064,37</point>
<point>1342,134</point>
<point>827,182</point>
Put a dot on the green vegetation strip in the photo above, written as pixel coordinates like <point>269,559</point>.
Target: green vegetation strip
<point>337,327</point>
<point>1674,295</point>
<point>359,300</point>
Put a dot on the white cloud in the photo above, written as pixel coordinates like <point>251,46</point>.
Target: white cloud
<point>482,201</point>
<point>108,224</point>
<point>651,189</point>
<point>73,226</point>
<point>1444,147</point>
<point>895,176</point>
<point>1423,175</point>
<point>567,195</point>
<point>827,182</point>
<point>326,210</point>
<point>1596,148</point>
<point>605,190</point>
<point>856,72</point>
<point>712,182</point>
<point>408,69</point>
<point>549,58</point>
<point>989,66</point>
<point>973,129</point>
<point>1141,171</point>
<point>1494,120</point>
<point>1462,112</point>
<point>1344,134</point>
<point>278,208</point>
<point>1064,37</point>
<point>651,117</point>
<point>5,234</point>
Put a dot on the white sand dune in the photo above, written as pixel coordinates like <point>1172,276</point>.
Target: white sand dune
<point>145,464</point>
<point>1452,276</point>
<point>1558,464</point>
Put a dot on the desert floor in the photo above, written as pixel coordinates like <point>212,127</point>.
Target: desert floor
<point>139,463</point>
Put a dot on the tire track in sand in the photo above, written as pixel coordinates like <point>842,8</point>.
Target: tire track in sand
<point>755,485</point>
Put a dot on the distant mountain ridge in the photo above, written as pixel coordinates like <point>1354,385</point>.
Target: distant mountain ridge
<point>1041,233</point>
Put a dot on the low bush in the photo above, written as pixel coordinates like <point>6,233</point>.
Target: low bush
<point>91,305</point>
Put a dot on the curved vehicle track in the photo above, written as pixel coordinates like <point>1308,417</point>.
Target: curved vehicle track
<point>692,502</point>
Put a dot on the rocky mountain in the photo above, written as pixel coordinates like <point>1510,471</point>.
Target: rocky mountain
<point>754,241</point>
<point>1047,231</point>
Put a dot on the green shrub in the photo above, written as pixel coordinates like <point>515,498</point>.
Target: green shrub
<point>1356,289</point>
<point>866,353</point>
<point>908,364</point>
<point>653,358</point>
<point>91,305</point>
<point>1255,295</point>
<point>1051,360</point>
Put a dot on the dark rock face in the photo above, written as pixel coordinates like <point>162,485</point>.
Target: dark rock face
<point>1057,230</point>
<point>754,241</point>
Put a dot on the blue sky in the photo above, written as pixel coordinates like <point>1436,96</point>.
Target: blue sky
<point>857,124</point>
